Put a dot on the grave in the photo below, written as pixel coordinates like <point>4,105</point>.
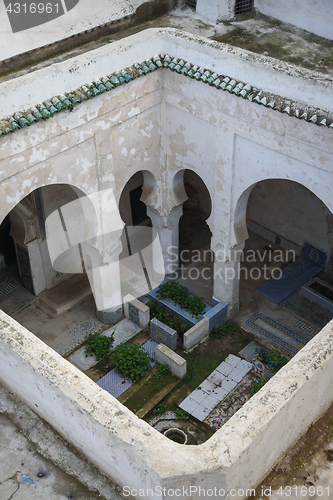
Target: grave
<point>163,334</point>
<point>122,331</point>
<point>136,311</point>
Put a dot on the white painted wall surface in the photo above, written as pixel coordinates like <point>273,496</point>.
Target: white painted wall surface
<point>260,71</point>
<point>315,16</point>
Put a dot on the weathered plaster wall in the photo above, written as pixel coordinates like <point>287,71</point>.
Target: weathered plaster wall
<point>314,16</point>
<point>100,145</point>
<point>291,211</point>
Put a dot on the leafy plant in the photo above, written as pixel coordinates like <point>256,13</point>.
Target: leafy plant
<point>99,345</point>
<point>256,386</point>
<point>181,296</point>
<point>173,322</point>
<point>160,409</point>
<point>262,354</point>
<point>181,414</point>
<point>223,330</point>
<point>276,358</point>
<point>131,361</point>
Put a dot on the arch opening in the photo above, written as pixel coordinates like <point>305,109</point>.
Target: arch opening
<point>32,289</point>
<point>289,233</point>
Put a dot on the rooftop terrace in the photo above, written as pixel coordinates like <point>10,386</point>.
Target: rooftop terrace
<point>254,32</point>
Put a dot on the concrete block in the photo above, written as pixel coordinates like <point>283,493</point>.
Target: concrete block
<point>136,311</point>
<point>165,356</point>
<point>196,334</point>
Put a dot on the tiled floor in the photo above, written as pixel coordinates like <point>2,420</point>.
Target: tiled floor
<point>115,384</point>
<point>216,387</point>
<point>231,403</point>
<point>276,332</point>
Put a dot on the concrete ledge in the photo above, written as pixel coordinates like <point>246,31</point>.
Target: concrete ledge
<point>134,454</point>
<point>165,356</point>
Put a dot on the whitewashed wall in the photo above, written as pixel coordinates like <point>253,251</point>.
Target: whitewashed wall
<point>315,16</point>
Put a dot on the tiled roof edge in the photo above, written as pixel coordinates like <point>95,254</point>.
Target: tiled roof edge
<point>68,100</point>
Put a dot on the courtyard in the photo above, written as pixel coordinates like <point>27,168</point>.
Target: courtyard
<point>219,144</point>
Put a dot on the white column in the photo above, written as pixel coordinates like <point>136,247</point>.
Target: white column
<point>226,277</point>
<point>167,229</point>
<point>103,270</point>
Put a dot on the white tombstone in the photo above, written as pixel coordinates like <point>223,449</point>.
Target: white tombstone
<point>136,311</point>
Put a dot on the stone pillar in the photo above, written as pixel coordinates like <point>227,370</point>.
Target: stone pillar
<point>226,277</point>
<point>103,270</point>
<point>167,229</point>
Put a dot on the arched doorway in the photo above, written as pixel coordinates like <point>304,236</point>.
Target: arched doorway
<point>26,251</point>
<point>136,258</point>
<point>195,255</point>
<point>289,243</point>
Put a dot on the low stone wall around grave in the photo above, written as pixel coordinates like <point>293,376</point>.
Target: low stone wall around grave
<point>176,364</point>
<point>217,314</point>
<point>136,311</point>
<point>135,455</point>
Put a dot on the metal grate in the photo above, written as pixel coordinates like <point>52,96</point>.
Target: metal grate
<point>243,6</point>
<point>192,4</point>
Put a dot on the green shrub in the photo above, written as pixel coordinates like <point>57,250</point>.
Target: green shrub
<point>276,358</point>
<point>181,414</point>
<point>99,345</point>
<point>181,296</point>
<point>160,409</point>
<point>222,331</point>
<point>262,354</point>
<point>131,361</point>
<point>256,386</point>
<point>159,313</point>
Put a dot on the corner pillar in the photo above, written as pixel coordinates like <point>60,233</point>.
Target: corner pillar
<point>226,277</point>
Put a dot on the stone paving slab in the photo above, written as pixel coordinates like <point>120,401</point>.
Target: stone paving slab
<point>201,402</point>
<point>224,368</point>
<point>237,374</point>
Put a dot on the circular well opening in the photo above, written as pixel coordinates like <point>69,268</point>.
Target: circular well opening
<point>176,435</point>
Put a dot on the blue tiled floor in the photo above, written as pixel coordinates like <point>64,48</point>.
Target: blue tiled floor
<point>293,277</point>
<point>281,335</point>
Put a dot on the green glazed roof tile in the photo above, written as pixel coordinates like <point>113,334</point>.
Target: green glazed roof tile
<point>106,83</point>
